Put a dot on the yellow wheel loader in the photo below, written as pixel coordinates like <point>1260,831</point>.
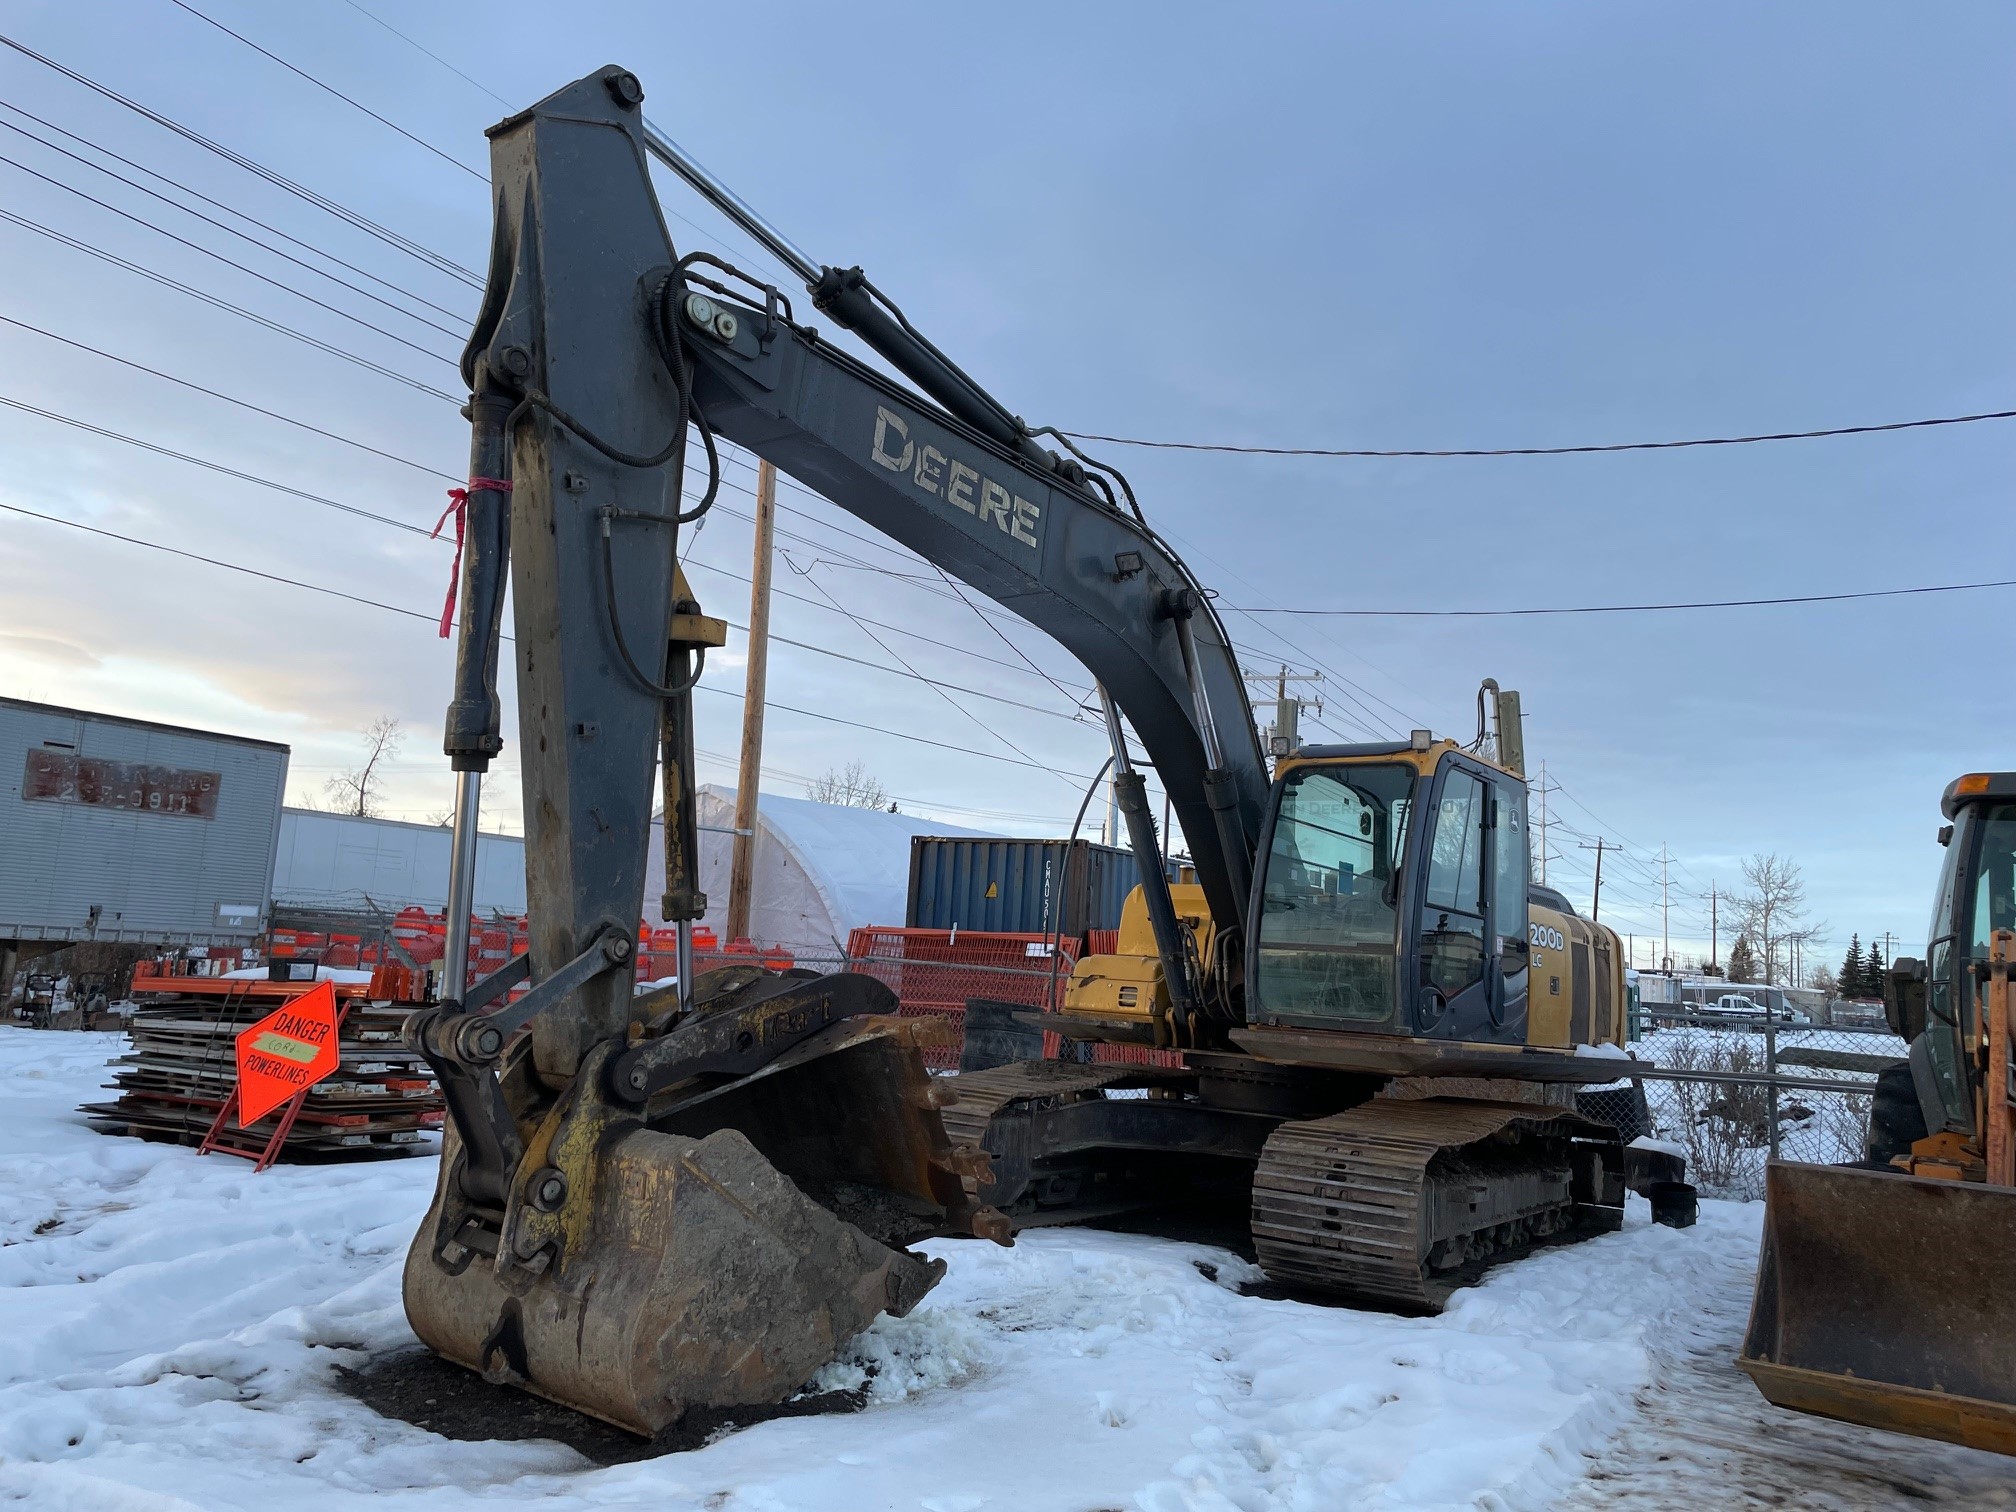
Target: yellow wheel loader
<point>1886,1290</point>
<point>697,1196</point>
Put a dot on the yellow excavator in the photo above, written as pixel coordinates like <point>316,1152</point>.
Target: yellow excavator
<point>1886,1289</point>
<point>696,1196</point>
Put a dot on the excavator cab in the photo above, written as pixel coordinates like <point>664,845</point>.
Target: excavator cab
<point>1886,1289</point>
<point>1392,896</point>
<point>1392,903</point>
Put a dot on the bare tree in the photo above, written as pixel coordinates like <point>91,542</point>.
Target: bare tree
<point>360,790</point>
<point>851,787</point>
<point>1771,911</point>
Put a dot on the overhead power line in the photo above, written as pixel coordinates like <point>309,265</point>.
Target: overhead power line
<point>936,687</point>
<point>310,587</point>
<point>244,404</point>
<point>303,73</point>
<point>215,302</point>
<point>245,236</point>
<point>1543,451</point>
<point>216,467</point>
<point>210,561</point>
<point>433,259</point>
<point>1749,603</point>
<point>403,37</point>
<point>937,641</point>
<point>280,284</point>
<point>904,670</point>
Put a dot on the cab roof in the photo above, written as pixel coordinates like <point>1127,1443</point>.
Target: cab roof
<point>1421,754</point>
<point>1976,787</point>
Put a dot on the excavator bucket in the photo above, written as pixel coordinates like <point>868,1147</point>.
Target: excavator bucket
<point>1888,1300</point>
<point>723,1249</point>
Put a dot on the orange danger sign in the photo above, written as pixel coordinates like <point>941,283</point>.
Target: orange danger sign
<point>286,1052</point>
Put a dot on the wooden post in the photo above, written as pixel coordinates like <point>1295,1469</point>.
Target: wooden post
<point>1998,1103</point>
<point>742,868</point>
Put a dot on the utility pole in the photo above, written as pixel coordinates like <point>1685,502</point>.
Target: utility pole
<point>742,865</point>
<point>1712,942</point>
<point>1288,707</point>
<point>1540,820</point>
<point>1596,898</point>
<point>1665,937</point>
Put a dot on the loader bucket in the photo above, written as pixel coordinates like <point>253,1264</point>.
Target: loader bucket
<point>1888,1300</point>
<point>714,1262</point>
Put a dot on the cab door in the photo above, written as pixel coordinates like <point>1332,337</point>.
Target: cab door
<point>1511,863</point>
<point>1453,993</point>
<point>1471,947</point>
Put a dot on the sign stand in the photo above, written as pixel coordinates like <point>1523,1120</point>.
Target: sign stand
<point>280,1059</point>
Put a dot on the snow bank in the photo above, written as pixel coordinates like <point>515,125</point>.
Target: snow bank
<point>349,975</point>
<point>1663,1146</point>
<point>170,1326</point>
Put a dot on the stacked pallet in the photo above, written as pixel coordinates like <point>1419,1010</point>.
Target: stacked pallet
<point>182,1068</point>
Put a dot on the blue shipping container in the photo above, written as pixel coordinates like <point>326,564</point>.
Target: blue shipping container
<point>1019,886</point>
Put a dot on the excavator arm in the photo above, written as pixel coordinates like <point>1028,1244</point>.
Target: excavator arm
<point>648,1203</point>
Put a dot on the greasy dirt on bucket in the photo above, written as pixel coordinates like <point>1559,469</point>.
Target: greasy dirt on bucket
<point>429,1392</point>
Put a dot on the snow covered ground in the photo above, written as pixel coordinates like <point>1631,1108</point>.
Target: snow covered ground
<point>171,1327</point>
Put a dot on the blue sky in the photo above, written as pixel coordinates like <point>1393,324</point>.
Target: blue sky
<point>1419,226</point>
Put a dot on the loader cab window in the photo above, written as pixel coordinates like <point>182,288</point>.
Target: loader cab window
<point>1331,896</point>
<point>1977,896</point>
<point>1994,877</point>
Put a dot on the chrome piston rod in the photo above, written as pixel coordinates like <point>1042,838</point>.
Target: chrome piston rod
<point>730,204</point>
<point>461,885</point>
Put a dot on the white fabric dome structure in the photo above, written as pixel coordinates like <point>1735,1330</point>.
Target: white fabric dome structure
<point>822,869</point>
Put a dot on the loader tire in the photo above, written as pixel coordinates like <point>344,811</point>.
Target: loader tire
<point>1896,1121</point>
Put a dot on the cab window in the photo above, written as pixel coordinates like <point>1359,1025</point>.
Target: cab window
<point>1456,864</point>
<point>1330,896</point>
<point>1452,923</point>
<point>1510,863</point>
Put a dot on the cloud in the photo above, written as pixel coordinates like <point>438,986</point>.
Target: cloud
<point>44,648</point>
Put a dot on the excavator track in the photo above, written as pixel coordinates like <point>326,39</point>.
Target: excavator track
<point>1401,1202</point>
<point>983,1094</point>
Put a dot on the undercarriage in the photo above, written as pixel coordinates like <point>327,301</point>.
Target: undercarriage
<point>1388,1201</point>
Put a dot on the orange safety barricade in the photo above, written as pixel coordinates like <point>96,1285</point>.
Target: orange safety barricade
<point>934,971</point>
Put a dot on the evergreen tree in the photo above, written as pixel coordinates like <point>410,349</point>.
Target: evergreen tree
<point>1742,960</point>
<point>1849,982</point>
<point>1872,971</point>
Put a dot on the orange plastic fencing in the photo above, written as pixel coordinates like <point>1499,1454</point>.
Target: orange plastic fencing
<point>658,953</point>
<point>1115,1055</point>
<point>935,971</point>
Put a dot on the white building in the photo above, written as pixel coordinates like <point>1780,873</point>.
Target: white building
<point>822,870</point>
<point>343,863</point>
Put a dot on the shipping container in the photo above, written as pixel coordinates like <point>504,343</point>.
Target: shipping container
<point>1015,885</point>
<point>121,829</point>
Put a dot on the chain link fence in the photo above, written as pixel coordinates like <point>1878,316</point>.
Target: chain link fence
<point>1729,1091</point>
<point>1733,1091</point>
